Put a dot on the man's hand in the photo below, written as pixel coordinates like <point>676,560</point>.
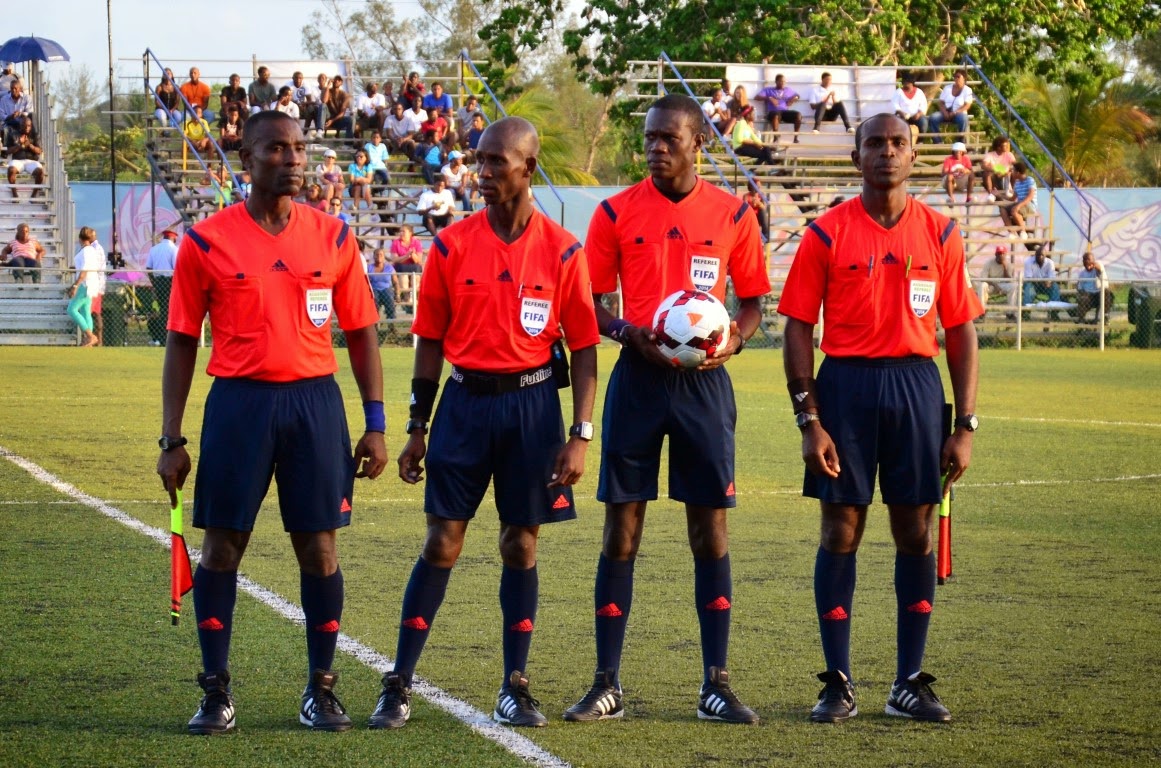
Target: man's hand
<point>570,463</point>
<point>410,468</point>
<point>173,467</point>
<point>955,457</point>
<point>724,352</point>
<point>370,455</point>
<point>818,451</point>
<point>644,341</point>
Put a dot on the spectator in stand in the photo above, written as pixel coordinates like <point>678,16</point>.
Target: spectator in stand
<point>756,199</point>
<point>168,103</point>
<point>910,103</point>
<point>234,94</point>
<point>8,77</point>
<point>429,154</point>
<point>388,91</point>
<point>89,266</point>
<point>24,255</point>
<point>997,171</point>
<point>246,186</point>
<point>827,105</point>
<point>459,179</point>
<point>401,128</point>
<point>464,119</point>
<point>315,198</point>
<point>436,206</point>
<point>412,94</point>
<point>197,130</point>
<point>779,98</point>
<point>384,283</point>
<point>371,107</point>
<point>418,115</point>
<point>957,173</point>
<point>14,107</point>
<point>746,141</point>
<point>377,154</point>
<point>24,156</point>
<point>435,123</point>
<point>262,94</point>
<point>330,175</point>
<point>316,112</point>
<point>738,101</point>
<point>1016,215</point>
<point>997,275</point>
<point>337,210</point>
<point>230,131</point>
<point>407,251</point>
<point>952,106</point>
<point>160,264</point>
<point>197,93</point>
<point>476,131</point>
<point>1091,283</point>
<point>286,103</point>
<point>437,101</point>
<point>222,185</point>
<point>717,110</point>
<point>360,173</point>
<point>338,105</point>
<point>1040,277</point>
<point>300,94</point>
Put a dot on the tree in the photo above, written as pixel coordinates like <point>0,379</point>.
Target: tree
<point>449,27</point>
<point>76,95</point>
<point>1088,128</point>
<point>1003,35</point>
<point>370,34</point>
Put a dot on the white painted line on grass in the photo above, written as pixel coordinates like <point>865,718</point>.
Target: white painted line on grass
<point>1090,422</point>
<point>518,745</point>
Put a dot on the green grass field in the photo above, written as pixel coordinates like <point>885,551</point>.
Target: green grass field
<point>1044,644</point>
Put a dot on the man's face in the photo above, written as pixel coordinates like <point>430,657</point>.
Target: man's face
<point>1088,261</point>
<point>276,158</point>
<point>284,98</point>
<point>372,89</point>
<point>478,122</point>
<point>322,81</point>
<point>263,74</point>
<point>884,155</point>
<point>398,110</point>
<point>1039,255</point>
<point>1000,257</point>
<point>17,88</point>
<point>337,82</point>
<point>671,144</point>
<point>779,81</point>
<point>336,205</point>
<point>504,172</point>
<point>826,81</point>
<point>437,187</point>
<point>235,81</point>
<point>297,79</point>
<point>437,90</point>
<point>194,74</point>
<point>376,138</point>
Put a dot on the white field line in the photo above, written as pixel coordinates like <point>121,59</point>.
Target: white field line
<point>518,745</point>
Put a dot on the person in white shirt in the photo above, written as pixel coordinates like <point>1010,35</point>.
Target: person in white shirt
<point>310,102</point>
<point>84,303</point>
<point>460,180</point>
<point>997,276</point>
<point>160,263</point>
<point>400,130</point>
<point>1040,277</point>
<point>286,103</point>
<point>827,105</point>
<point>910,103</point>
<point>952,106</point>
<point>716,109</point>
<point>435,205</point>
<point>371,106</point>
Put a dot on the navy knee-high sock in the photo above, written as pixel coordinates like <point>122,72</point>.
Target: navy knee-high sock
<point>519,594</point>
<point>834,594</point>
<point>915,596</point>
<point>421,601</point>
<point>613,597</point>
<point>322,605</point>
<point>214,595</point>
<point>714,592</point>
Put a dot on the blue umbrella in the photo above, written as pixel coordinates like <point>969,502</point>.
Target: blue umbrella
<point>20,49</point>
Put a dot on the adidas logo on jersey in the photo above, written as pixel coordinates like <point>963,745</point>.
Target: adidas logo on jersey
<point>674,234</point>
<point>504,277</point>
<point>890,258</point>
<point>278,266</point>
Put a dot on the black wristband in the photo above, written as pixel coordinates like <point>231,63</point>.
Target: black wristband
<point>423,393</point>
<point>802,395</point>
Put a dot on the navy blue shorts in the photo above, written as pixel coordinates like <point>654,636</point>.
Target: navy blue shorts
<point>883,414</point>
<point>511,439</point>
<point>295,432</point>
<point>643,404</point>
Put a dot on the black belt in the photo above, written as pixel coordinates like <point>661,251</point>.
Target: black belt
<point>499,383</point>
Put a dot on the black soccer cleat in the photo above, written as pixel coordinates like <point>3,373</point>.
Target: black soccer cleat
<point>321,709</point>
<point>394,707</point>
<point>914,698</point>
<point>515,705</point>
<point>216,713</point>
<point>602,702</point>
<point>836,701</point>
<point>719,702</point>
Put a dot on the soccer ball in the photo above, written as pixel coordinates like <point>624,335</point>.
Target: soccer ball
<point>690,326</point>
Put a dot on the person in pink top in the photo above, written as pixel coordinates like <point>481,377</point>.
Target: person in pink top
<point>407,251</point>
<point>997,170</point>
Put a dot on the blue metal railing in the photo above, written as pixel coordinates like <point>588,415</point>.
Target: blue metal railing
<point>1084,229</point>
<point>466,60</point>
<point>187,109</point>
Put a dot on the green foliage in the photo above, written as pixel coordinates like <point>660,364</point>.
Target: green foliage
<point>369,33</point>
<point>1039,643</point>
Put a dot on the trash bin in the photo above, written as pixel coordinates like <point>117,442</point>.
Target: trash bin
<point>1145,313</point>
<point>115,314</point>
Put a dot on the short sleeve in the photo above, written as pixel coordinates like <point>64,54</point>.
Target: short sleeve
<point>957,303</point>
<point>189,295</point>
<point>806,284</point>
<point>747,265</point>
<point>433,312</point>
<point>354,303</point>
<point>575,306</point>
<point>603,250</point>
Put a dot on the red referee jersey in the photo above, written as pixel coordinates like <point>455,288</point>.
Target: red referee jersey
<point>270,297</point>
<point>658,247</point>
<point>498,306</point>
<point>881,289</point>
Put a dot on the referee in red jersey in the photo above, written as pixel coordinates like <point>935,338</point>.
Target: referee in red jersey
<point>884,266</point>
<point>667,233</point>
<point>270,273</point>
<point>498,288</point>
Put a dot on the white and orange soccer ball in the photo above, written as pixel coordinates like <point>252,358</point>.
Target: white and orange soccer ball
<point>691,326</point>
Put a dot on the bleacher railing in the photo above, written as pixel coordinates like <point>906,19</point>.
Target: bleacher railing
<point>1083,218</point>
<point>56,177</point>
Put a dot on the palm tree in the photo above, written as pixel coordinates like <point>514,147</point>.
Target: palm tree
<point>1088,127</point>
